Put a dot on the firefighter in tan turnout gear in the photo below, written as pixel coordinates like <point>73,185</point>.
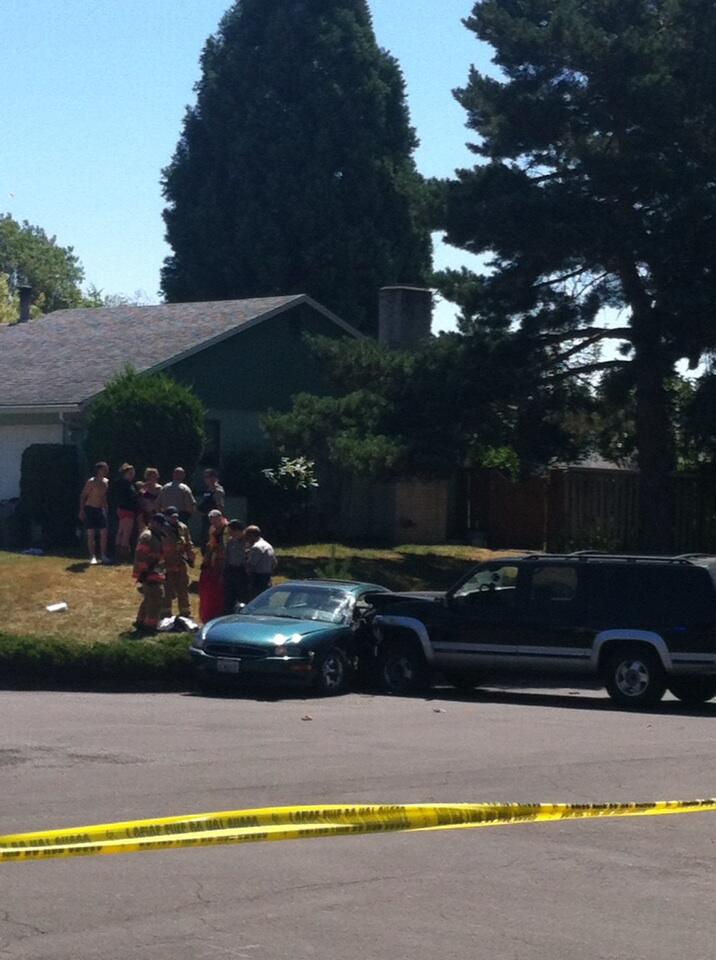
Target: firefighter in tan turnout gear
<point>178,553</point>
<point>148,572</point>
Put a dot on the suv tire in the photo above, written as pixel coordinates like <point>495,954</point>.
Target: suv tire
<point>634,676</point>
<point>402,669</point>
<point>693,690</point>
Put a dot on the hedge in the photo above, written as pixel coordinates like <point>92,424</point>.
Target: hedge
<point>53,663</point>
<point>49,491</point>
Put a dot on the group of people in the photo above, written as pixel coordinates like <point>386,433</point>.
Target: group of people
<point>237,562</point>
<point>137,501</point>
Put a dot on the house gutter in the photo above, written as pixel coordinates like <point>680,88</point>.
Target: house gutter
<point>25,408</point>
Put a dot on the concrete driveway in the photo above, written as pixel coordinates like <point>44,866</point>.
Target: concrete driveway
<point>642,889</point>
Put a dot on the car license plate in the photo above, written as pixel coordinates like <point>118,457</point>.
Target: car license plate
<point>228,666</point>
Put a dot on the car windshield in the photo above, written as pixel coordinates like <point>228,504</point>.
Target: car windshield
<point>299,602</point>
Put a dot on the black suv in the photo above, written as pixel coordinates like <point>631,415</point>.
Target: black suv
<point>641,624</point>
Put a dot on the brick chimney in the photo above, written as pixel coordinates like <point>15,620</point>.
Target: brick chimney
<point>404,316</point>
<point>25,292</point>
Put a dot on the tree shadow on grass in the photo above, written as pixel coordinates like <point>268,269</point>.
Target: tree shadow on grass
<point>404,571</point>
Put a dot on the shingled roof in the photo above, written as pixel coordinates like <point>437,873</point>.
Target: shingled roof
<point>67,357</point>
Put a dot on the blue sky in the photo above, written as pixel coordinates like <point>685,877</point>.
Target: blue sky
<point>94,93</point>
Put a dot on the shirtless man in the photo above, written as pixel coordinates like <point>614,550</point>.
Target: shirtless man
<point>93,511</point>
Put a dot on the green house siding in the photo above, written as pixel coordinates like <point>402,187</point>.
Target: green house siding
<point>256,370</point>
<point>238,428</point>
<point>261,367</point>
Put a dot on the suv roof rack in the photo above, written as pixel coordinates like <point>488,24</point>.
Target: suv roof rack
<point>586,555</point>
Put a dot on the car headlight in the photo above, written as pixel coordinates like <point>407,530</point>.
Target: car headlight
<point>280,651</point>
<point>199,641</point>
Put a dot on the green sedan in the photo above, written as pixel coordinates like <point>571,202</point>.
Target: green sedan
<point>305,631</point>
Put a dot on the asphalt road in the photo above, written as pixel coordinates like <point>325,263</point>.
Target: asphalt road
<point>637,889</point>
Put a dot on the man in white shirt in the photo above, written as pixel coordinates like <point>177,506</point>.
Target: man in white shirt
<point>260,561</point>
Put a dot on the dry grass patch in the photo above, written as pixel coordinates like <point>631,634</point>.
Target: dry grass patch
<point>103,601</point>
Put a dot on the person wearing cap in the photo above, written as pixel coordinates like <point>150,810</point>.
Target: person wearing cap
<point>211,579</point>
<point>177,494</point>
<point>178,555</point>
<point>212,497</point>
<point>148,560</point>
<point>236,580</point>
<point>260,561</point>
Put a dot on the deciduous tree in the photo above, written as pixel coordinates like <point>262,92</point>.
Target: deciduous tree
<point>29,255</point>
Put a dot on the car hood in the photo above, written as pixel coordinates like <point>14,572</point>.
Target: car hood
<point>268,631</point>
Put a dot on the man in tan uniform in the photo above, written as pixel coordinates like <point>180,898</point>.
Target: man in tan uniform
<point>177,494</point>
<point>178,554</point>
<point>148,561</point>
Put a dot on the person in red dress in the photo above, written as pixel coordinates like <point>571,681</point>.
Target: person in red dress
<point>211,579</point>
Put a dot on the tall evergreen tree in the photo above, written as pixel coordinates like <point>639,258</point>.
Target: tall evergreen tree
<point>596,190</point>
<point>294,172</point>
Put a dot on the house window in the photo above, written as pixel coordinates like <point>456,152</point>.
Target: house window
<point>212,443</point>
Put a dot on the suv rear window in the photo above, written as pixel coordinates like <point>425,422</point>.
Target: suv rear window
<point>665,594</point>
<point>557,584</point>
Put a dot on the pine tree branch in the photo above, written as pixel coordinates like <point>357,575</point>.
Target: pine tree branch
<point>591,333</point>
<point>590,368</point>
<point>566,276</point>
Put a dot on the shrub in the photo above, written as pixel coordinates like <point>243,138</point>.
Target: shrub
<point>49,491</point>
<point>278,492</point>
<point>150,421</point>
<point>53,662</point>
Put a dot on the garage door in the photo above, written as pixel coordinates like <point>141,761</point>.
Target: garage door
<point>13,441</point>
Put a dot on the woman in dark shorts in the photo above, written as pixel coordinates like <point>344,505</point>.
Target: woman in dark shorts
<point>126,498</point>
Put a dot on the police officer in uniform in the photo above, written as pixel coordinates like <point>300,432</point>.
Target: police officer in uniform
<point>178,554</point>
<point>148,563</point>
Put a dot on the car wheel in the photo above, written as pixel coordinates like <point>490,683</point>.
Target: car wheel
<point>634,677</point>
<point>694,690</point>
<point>403,669</point>
<point>462,681</point>
<point>332,673</point>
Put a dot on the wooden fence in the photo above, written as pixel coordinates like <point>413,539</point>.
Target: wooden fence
<point>584,508</point>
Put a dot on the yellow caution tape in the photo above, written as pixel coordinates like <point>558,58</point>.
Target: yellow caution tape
<point>300,823</point>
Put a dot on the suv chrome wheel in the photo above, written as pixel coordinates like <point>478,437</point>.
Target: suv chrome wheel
<point>634,677</point>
